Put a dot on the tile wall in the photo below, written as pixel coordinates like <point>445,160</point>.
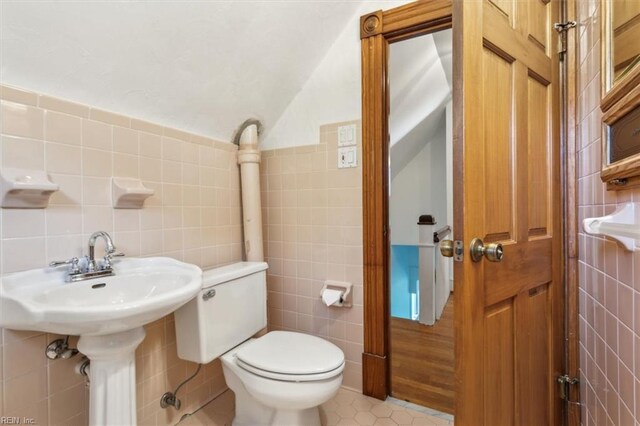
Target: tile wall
<point>313,231</point>
<point>609,276</point>
<point>194,216</point>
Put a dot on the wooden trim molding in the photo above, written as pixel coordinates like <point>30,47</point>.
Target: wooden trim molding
<point>377,30</point>
<point>623,98</point>
<point>618,98</point>
<point>375,141</point>
<point>409,20</point>
<point>571,212</point>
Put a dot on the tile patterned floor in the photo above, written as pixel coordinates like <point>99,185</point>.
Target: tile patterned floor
<point>347,408</point>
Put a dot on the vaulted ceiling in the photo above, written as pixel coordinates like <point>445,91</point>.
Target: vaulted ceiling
<point>202,66</point>
<point>420,80</point>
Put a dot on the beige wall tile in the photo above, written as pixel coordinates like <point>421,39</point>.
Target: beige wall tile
<point>150,169</point>
<point>177,134</point>
<point>96,134</point>
<point>55,104</point>
<point>22,153</point>
<point>22,356</point>
<point>109,117</point>
<point>97,162</point>
<point>21,120</point>
<point>125,165</point>
<point>63,220</point>
<point>25,390</point>
<point>150,145</point>
<point>64,159</point>
<point>19,223</point>
<point>82,155</point>
<point>125,140</point>
<point>147,127</point>
<point>64,247</point>
<point>62,128</point>
<point>67,404</point>
<point>605,272</point>
<point>308,205</point>
<point>96,191</point>
<point>23,253</point>
<point>17,95</point>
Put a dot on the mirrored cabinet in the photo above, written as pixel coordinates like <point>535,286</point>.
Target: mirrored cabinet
<point>620,70</point>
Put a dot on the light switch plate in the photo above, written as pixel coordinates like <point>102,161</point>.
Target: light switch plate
<point>347,157</point>
<point>347,135</point>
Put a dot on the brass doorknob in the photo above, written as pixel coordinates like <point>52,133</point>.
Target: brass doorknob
<point>492,251</point>
<point>446,248</point>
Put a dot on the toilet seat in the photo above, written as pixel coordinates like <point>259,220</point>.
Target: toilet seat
<point>292,357</point>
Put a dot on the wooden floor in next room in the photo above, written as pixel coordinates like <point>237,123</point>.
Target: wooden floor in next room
<point>422,361</point>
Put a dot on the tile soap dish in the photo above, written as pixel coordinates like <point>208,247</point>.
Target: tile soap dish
<point>129,193</point>
<point>622,226</point>
<point>25,189</point>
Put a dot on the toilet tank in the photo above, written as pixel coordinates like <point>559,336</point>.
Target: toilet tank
<point>230,308</point>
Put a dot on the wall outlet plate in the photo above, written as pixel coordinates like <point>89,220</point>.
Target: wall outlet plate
<point>347,135</point>
<point>347,157</point>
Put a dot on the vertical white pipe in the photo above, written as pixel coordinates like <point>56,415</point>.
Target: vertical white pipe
<point>249,160</point>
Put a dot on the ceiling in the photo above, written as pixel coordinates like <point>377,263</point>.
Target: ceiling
<point>420,81</point>
<point>202,67</point>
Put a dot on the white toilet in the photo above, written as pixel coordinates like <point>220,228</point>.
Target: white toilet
<point>280,378</point>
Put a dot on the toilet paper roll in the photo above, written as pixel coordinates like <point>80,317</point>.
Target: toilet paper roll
<point>331,297</point>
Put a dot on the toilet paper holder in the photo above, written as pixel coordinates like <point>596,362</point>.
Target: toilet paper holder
<point>345,287</point>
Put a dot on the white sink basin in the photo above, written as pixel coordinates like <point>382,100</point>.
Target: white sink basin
<point>141,291</point>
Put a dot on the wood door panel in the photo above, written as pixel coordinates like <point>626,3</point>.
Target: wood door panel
<point>539,23</point>
<point>499,359</point>
<point>534,361</point>
<point>513,43</point>
<point>498,149</point>
<point>538,154</point>
<point>524,266</point>
<point>511,309</point>
<point>506,8</point>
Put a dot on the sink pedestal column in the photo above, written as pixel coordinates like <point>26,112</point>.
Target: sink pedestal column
<point>112,398</point>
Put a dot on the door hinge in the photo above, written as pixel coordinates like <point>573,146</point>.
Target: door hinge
<point>564,26</point>
<point>564,382</point>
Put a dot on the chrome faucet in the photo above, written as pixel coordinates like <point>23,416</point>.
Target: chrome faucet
<point>109,249</point>
<point>83,270</point>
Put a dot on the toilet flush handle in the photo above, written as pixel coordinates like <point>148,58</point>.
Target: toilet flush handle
<point>209,294</point>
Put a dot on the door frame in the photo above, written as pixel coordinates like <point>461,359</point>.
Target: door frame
<point>377,30</point>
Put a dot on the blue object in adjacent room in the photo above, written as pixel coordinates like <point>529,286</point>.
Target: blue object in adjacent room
<point>404,282</point>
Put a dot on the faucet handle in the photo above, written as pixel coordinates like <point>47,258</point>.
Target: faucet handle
<point>73,264</point>
<point>106,260</point>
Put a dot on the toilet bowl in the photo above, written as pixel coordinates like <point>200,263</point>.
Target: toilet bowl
<point>282,378</point>
<point>278,379</point>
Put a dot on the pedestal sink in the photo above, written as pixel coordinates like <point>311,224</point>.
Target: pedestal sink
<point>108,314</point>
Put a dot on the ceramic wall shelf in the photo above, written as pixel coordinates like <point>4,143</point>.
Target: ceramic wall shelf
<point>621,225</point>
<point>129,193</point>
<point>25,189</point>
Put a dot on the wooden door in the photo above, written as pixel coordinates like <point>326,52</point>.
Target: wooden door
<point>508,315</point>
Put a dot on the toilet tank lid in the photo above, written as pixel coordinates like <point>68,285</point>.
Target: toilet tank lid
<point>223,274</point>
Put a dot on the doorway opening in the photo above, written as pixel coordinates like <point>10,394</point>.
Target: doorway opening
<point>420,217</point>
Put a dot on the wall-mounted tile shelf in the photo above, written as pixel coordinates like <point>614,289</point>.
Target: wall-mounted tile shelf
<point>25,189</point>
<point>129,193</point>
<point>621,225</point>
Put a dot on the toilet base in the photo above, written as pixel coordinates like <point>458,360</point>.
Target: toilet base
<point>251,412</point>
<point>308,417</point>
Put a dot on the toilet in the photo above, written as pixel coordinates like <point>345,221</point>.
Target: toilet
<point>278,379</point>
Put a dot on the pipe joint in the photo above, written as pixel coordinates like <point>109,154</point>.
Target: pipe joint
<point>248,156</point>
